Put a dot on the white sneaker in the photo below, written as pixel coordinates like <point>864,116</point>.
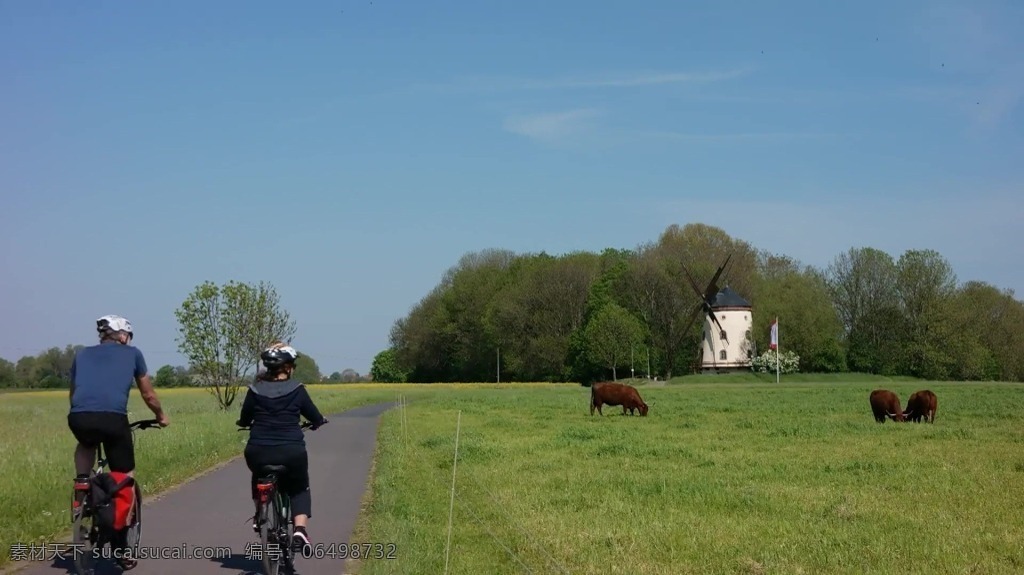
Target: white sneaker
<point>300,542</point>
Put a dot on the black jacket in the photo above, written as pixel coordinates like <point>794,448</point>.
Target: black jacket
<point>272,408</point>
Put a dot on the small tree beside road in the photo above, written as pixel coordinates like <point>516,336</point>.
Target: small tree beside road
<point>223,329</point>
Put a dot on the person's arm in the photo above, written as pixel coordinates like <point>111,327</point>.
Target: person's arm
<point>145,385</point>
<point>71,390</point>
<point>309,410</point>
<point>248,410</point>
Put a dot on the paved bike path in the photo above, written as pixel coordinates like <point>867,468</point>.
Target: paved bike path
<point>214,510</point>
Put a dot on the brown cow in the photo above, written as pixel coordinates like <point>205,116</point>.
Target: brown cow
<point>885,403</point>
<point>607,393</point>
<point>922,403</point>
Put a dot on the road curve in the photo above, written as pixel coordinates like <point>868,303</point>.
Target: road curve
<point>214,510</point>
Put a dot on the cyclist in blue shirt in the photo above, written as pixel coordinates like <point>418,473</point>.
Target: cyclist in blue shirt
<point>271,410</point>
<point>101,381</point>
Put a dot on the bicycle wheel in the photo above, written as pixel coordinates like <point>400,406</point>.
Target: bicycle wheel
<point>83,537</point>
<point>268,536</point>
<point>288,531</point>
<point>133,536</point>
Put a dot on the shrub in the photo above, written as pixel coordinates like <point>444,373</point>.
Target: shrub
<point>788,361</point>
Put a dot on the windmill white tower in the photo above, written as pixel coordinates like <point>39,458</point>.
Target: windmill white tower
<point>727,343</point>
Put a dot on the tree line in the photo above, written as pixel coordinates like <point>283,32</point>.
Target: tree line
<point>586,316</point>
<point>51,369</point>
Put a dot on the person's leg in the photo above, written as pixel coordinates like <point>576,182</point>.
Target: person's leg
<point>298,486</point>
<point>298,491</point>
<point>120,447</point>
<point>118,443</point>
<point>253,460</point>
<point>85,450</point>
<point>84,458</point>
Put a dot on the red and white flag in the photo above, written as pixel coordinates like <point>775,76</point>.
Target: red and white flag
<point>775,334</point>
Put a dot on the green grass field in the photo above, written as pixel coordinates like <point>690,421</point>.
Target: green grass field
<point>737,478</point>
<point>741,477</point>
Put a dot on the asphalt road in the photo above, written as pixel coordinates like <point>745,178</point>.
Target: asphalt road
<point>214,510</point>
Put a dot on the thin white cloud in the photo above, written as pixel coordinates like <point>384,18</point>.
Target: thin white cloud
<point>579,126</point>
<point>736,137</point>
<point>553,127</point>
<point>628,80</point>
<point>640,79</point>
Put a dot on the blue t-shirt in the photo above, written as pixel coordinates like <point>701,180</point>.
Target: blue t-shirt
<point>103,376</point>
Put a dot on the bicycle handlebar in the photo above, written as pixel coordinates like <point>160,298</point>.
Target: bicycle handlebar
<point>305,425</point>
<point>145,424</point>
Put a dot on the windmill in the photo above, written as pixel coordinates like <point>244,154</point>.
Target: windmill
<point>707,296</point>
<point>722,305</point>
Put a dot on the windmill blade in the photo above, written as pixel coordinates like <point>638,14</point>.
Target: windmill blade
<point>713,286</point>
<point>711,314</point>
<point>693,283</point>
<point>693,317</point>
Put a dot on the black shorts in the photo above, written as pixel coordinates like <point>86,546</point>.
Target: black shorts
<point>110,429</point>
<point>294,481</point>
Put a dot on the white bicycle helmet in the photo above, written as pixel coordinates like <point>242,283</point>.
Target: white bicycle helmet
<point>114,323</point>
<point>278,355</point>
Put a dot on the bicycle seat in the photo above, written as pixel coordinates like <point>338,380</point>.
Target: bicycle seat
<point>273,469</point>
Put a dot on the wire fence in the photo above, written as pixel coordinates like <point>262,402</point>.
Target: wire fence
<point>462,500</point>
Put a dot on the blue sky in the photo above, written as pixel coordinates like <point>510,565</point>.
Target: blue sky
<point>350,152</point>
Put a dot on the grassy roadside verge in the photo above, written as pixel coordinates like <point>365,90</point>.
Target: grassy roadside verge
<point>36,451</point>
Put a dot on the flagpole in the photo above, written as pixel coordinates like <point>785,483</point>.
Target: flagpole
<point>776,349</point>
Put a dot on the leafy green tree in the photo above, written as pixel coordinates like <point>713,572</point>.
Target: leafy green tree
<point>809,324</point>
<point>173,376</point>
<point>26,371</point>
<point>993,319</point>
<point>537,311</point>
<point>613,265</point>
<point>610,336</point>
<point>222,331</point>
<point>53,367</point>
<point>702,248</point>
<point>657,298</point>
<point>925,286</point>
<point>386,369</point>
<point>306,369</point>
<point>8,376</point>
<point>862,286</point>
<point>424,340</point>
<point>165,377</point>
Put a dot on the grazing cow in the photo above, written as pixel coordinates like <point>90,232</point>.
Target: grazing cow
<point>922,403</point>
<point>616,394</point>
<point>885,403</point>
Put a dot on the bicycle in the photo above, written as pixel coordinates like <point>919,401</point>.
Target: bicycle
<point>274,518</point>
<point>87,537</point>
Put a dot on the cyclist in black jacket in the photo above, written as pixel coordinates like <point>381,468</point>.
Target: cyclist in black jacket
<point>271,410</point>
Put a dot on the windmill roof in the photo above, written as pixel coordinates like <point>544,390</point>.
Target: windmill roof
<point>728,298</point>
